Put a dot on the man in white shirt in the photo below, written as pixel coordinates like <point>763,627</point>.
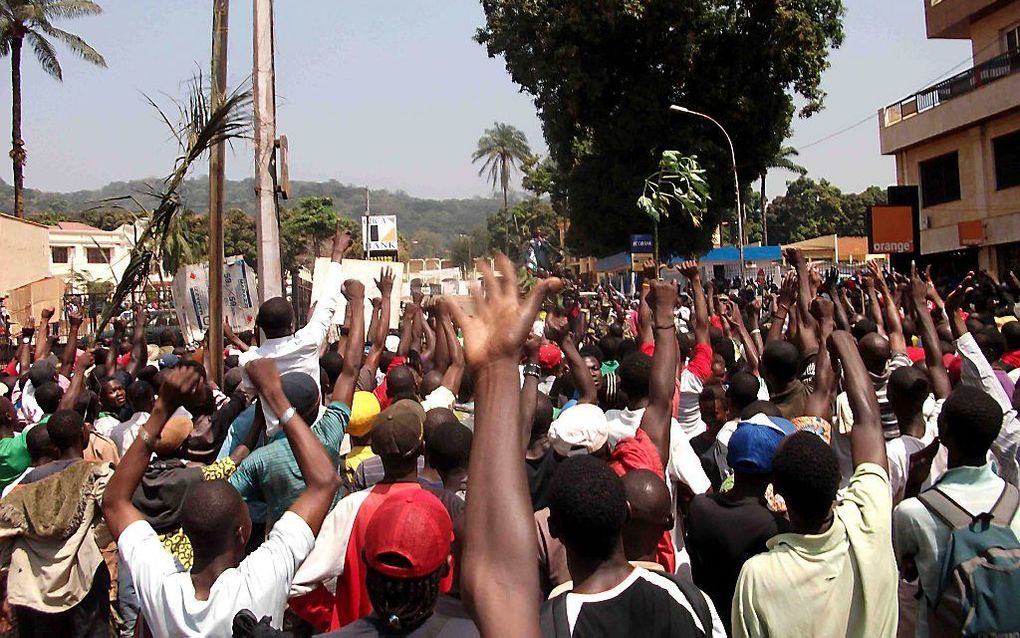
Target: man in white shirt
<point>297,351</point>
<point>204,601</point>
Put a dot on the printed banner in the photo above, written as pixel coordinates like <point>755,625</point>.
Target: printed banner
<point>367,272</point>
<point>191,297</point>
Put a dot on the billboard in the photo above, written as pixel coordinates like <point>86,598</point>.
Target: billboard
<point>367,272</point>
<point>892,230</point>
<point>380,236</point>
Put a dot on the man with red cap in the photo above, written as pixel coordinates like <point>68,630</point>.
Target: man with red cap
<point>407,554</point>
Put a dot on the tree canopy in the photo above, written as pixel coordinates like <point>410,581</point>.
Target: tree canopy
<point>810,208</point>
<point>603,74</point>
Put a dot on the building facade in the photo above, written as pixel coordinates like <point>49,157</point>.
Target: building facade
<point>26,249</point>
<point>88,258</point>
<point>958,141</point>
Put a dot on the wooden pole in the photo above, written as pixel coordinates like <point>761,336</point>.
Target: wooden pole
<point>264,93</point>
<point>218,88</point>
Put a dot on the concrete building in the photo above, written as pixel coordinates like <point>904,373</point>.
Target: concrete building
<point>959,140</point>
<point>26,252</point>
<point>81,254</point>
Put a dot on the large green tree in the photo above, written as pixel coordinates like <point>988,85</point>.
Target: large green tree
<point>240,236</point>
<point>810,208</point>
<point>31,21</point>
<point>782,160</point>
<point>603,74</point>
<point>528,215</point>
<point>501,150</point>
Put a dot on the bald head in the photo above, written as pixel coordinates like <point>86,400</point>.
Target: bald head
<point>436,417</point>
<point>276,318</point>
<point>432,380</point>
<point>650,513</point>
<point>875,352</point>
<point>400,384</point>
<point>215,518</point>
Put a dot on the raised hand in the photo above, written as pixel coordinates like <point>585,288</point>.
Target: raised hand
<point>918,288</point>
<point>180,383</point>
<point>376,302</point>
<point>955,298</point>
<point>119,325</point>
<point>788,290</point>
<point>795,256</point>
<point>75,319</point>
<point>823,311</point>
<point>263,374</point>
<point>502,320</point>
<point>649,270</point>
<point>662,296</point>
<point>689,269</point>
<point>47,314</point>
<point>556,327</point>
<point>84,361</point>
<point>385,282</point>
<point>353,289</point>
<point>342,241</point>
<point>531,346</point>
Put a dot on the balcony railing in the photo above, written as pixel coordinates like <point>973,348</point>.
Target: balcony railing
<point>960,84</point>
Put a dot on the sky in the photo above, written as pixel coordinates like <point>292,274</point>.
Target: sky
<point>395,93</point>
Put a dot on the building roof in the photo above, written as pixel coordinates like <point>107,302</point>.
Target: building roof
<point>832,246</point>
<point>74,226</point>
<point>731,255</point>
<point>23,221</point>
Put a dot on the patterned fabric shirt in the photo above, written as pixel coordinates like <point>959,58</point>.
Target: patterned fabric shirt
<point>271,473</point>
<point>176,542</point>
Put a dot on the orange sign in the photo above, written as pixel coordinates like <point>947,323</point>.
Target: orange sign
<point>971,233</point>
<point>892,229</point>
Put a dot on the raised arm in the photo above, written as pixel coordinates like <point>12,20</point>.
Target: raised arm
<point>890,311</point>
<point>656,419</point>
<point>499,579</point>
<point>952,306</point>
<point>819,402</point>
<point>74,320</point>
<point>119,328</point>
<point>70,397</point>
<point>454,373</point>
<point>929,337</point>
<point>25,347</point>
<point>832,287</point>
<point>805,294</point>
<point>319,473</point>
<point>406,329</point>
<point>317,328</point>
<point>736,322</point>
<point>650,273</point>
<point>138,343</point>
<point>385,286</point>
<point>874,308</point>
<point>343,389</point>
<point>787,296</point>
<point>42,337</point>
<point>690,270</point>
<point>753,323</point>
<point>234,340</point>
<point>118,510</point>
<point>529,391</point>
<point>867,442</point>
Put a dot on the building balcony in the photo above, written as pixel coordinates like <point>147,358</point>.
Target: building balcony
<point>951,19</point>
<point>969,97</point>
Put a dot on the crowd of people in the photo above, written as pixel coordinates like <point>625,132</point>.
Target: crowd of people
<point>823,457</point>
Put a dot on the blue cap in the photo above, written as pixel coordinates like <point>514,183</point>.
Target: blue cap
<point>752,447</point>
<point>168,361</point>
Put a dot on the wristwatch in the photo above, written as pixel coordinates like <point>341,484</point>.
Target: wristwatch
<point>532,370</point>
<point>287,415</point>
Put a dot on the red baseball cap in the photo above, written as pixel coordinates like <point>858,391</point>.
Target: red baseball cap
<point>549,356</point>
<point>409,536</point>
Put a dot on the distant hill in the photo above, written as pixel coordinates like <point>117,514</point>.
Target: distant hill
<point>446,216</point>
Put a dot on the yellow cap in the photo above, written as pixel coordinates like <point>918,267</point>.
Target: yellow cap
<point>363,413</point>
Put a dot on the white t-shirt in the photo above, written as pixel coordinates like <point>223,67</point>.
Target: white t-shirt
<point>260,583</point>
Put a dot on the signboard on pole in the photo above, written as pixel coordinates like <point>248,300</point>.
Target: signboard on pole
<point>190,290</point>
<point>642,244</point>
<point>380,237</point>
<point>367,272</point>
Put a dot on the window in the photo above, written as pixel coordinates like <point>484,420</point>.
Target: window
<point>1012,37</point>
<point>98,255</point>
<point>940,180</point>
<point>1007,160</point>
<point>59,254</point>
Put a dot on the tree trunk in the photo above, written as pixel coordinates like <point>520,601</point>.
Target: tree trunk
<point>17,144</point>
<point>764,218</point>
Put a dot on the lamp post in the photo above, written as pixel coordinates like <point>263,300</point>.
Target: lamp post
<point>736,183</point>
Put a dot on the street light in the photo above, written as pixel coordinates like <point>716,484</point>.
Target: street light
<point>736,183</point>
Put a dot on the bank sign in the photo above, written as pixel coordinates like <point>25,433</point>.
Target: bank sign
<point>642,244</point>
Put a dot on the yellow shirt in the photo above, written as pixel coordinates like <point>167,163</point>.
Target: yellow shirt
<point>839,583</point>
<point>358,454</point>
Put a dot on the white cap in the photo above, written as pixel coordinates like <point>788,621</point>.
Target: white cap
<point>392,342</point>
<point>581,429</point>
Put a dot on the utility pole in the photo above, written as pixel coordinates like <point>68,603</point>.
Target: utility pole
<point>365,223</point>
<point>218,88</point>
<point>264,97</point>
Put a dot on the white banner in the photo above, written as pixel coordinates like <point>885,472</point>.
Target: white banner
<point>366,272</point>
<point>191,297</point>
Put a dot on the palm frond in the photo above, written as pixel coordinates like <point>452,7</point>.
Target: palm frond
<point>72,8</point>
<point>200,128</point>
<point>78,46</point>
<point>45,54</point>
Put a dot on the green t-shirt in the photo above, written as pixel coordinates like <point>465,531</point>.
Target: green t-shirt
<point>14,459</point>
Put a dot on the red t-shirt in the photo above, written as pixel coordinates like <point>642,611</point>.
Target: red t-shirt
<point>639,453</point>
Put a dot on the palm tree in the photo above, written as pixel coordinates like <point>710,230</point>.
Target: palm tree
<point>503,147</point>
<point>30,20</point>
<point>783,160</point>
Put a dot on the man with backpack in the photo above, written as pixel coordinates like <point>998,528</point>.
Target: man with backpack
<point>942,535</point>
